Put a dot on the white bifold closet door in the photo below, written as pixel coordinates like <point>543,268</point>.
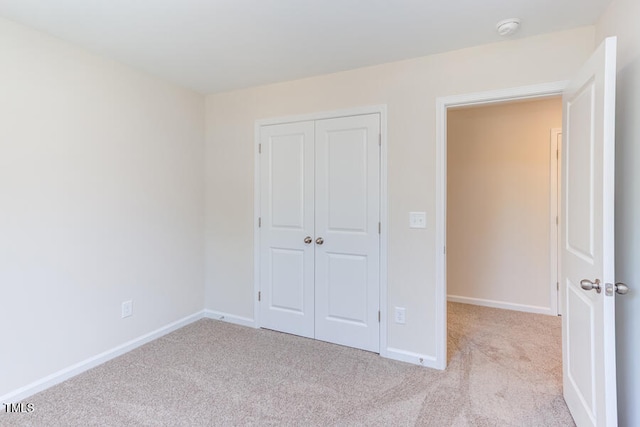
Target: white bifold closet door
<point>319,234</point>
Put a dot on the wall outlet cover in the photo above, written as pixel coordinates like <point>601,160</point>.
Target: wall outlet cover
<point>417,220</point>
<point>127,308</point>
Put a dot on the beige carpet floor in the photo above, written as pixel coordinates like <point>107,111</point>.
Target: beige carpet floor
<point>505,369</point>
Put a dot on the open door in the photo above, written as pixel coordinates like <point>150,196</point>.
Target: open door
<point>587,241</point>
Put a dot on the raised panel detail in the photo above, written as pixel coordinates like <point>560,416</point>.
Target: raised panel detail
<point>287,279</point>
<point>580,164</point>
<point>347,288</point>
<point>581,369</point>
<point>287,180</point>
<point>347,186</point>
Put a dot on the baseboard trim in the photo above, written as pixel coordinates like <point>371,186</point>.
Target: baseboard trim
<point>231,318</point>
<point>411,357</point>
<point>501,304</point>
<point>80,367</point>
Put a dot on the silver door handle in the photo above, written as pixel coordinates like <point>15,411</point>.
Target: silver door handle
<point>308,240</point>
<point>319,240</point>
<point>588,285</point>
<point>621,288</point>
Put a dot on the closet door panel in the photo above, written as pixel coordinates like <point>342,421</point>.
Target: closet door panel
<point>287,218</point>
<point>347,212</point>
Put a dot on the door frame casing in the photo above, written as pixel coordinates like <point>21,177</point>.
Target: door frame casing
<point>554,212</point>
<point>357,111</point>
<point>442,105</point>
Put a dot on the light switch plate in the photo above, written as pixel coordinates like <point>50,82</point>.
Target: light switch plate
<point>417,220</point>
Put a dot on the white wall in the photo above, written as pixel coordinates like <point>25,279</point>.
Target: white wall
<point>101,200</point>
<point>409,89</point>
<point>498,204</point>
<point>621,19</point>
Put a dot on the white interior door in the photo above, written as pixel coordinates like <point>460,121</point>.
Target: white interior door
<point>287,219</point>
<point>587,251</point>
<point>347,220</point>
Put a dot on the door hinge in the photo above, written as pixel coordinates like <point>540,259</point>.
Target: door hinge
<point>558,286</point>
<point>259,148</point>
<point>379,316</point>
<point>557,154</point>
<point>259,296</point>
<point>556,219</point>
<point>379,140</point>
<point>259,222</point>
<point>379,228</point>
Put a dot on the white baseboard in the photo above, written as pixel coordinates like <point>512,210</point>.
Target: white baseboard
<point>231,318</point>
<point>411,357</point>
<point>80,367</point>
<point>501,304</point>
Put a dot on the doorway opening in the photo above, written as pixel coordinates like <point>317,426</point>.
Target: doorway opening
<point>444,105</point>
<point>502,205</point>
<point>501,239</point>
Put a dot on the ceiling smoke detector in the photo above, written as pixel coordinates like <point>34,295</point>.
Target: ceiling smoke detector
<point>506,27</point>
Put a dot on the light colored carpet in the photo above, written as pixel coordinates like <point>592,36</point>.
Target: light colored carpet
<point>505,369</point>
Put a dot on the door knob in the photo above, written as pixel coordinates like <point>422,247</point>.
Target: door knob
<point>308,240</point>
<point>588,285</point>
<point>319,240</point>
<point>619,288</point>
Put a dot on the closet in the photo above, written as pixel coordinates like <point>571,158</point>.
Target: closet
<point>319,229</point>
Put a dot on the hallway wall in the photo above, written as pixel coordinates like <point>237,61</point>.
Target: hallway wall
<point>498,204</point>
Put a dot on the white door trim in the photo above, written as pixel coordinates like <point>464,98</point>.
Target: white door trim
<point>442,104</point>
<point>379,109</point>
<point>554,218</point>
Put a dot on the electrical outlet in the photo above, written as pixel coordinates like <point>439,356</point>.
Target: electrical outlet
<point>127,308</point>
<point>401,315</point>
<point>417,220</point>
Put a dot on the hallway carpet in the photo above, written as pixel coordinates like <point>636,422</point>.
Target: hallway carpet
<point>505,369</point>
